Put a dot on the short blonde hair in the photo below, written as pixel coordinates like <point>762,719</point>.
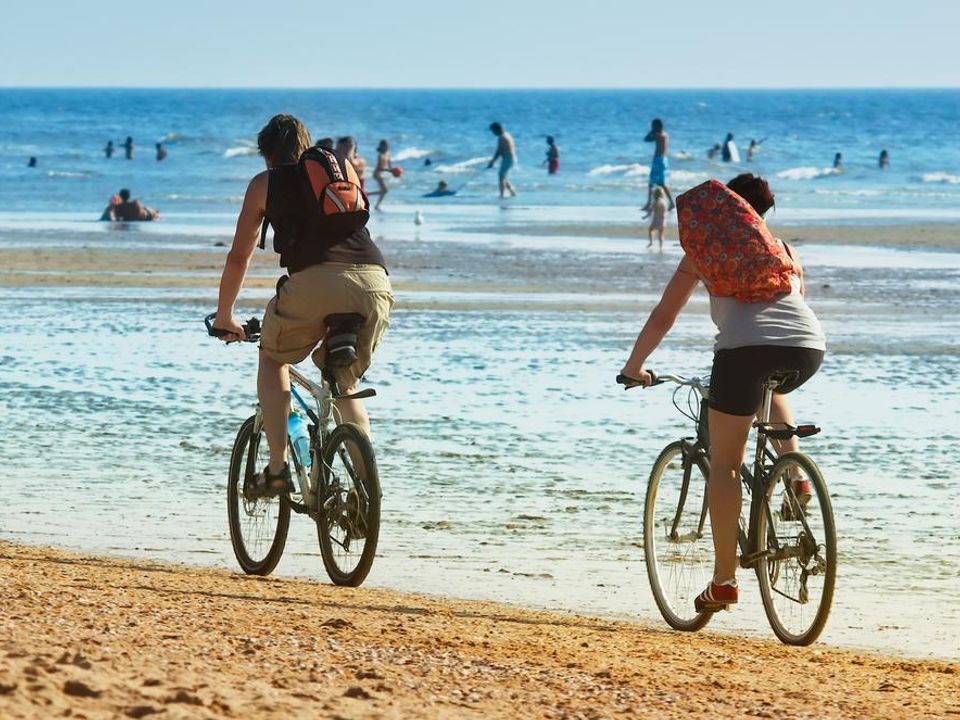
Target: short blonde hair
<point>283,139</point>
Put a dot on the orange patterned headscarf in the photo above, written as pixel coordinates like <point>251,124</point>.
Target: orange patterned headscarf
<point>730,246</point>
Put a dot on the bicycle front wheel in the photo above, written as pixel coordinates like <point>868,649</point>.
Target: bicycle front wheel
<point>798,571</point>
<point>348,512</point>
<point>676,535</point>
<point>258,526</point>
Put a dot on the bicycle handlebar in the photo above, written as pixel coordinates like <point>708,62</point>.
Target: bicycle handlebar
<point>655,379</point>
<point>629,382</point>
<point>251,329</point>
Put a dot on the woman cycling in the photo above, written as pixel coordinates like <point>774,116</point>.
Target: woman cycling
<point>328,274</point>
<point>779,334</point>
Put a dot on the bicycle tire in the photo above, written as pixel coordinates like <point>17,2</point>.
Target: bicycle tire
<point>676,604</point>
<point>786,523</point>
<point>355,517</point>
<point>240,511</point>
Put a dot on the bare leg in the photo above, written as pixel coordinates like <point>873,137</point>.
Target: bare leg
<point>273,389</point>
<point>660,233</point>
<point>382,192</point>
<point>780,412</point>
<point>649,204</point>
<point>669,197</point>
<point>353,411</point>
<point>650,235</point>
<point>728,441</point>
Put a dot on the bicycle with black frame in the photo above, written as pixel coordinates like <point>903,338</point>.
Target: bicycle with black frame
<point>788,539</point>
<point>338,486</point>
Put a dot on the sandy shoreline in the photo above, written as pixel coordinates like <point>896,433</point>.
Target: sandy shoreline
<point>926,236</point>
<point>109,637</point>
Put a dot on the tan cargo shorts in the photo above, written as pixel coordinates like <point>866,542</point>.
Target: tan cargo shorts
<point>293,323</point>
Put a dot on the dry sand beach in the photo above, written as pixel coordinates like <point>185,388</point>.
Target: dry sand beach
<point>93,637</point>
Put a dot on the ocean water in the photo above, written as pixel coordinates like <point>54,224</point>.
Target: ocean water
<point>210,136</point>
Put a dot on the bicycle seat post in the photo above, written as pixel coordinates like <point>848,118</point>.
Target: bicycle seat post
<point>768,387</point>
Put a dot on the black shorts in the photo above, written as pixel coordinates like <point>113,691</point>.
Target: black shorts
<point>736,381</point>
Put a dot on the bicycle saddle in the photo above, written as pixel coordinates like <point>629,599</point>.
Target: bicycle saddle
<point>341,338</point>
<point>783,378</point>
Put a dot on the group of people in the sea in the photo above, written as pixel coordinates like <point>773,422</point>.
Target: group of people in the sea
<point>659,200</point>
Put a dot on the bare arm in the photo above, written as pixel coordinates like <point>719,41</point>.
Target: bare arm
<point>238,259</point>
<point>662,318</point>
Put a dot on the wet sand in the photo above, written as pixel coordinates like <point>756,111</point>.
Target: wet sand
<point>929,236</point>
<point>108,637</point>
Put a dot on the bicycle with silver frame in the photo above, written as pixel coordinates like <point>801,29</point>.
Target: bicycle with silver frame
<point>337,485</point>
<point>788,538</point>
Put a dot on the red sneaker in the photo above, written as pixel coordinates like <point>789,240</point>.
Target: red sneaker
<point>716,597</point>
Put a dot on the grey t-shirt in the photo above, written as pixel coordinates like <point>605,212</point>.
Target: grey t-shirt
<point>787,321</point>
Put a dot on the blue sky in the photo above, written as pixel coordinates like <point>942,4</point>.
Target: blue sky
<point>463,43</point>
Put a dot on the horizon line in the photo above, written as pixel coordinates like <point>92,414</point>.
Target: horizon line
<point>517,88</point>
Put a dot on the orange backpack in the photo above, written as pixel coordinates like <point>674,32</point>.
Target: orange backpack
<point>335,205</point>
<point>730,247</point>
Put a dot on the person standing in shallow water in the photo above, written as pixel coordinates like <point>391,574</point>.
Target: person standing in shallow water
<point>884,160</point>
<point>161,152</point>
<point>128,148</point>
<point>108,150</point>
<point>659,164</point>
<point>507,154</point>
<point>553,156</point>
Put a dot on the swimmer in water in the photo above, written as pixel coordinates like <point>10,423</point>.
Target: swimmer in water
<point>553,156</point>
<point>124,209</point>
<point>442,190</point>
<point>128,148</point>
<point>161,152</point>
<point>730,152</point>
<point>884,160</point>
<point>32,162</point>
<point>108,150</point>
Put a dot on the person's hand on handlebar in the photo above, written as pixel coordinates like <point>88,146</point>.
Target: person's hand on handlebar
<point>234,330</point>
<point>637,374</point>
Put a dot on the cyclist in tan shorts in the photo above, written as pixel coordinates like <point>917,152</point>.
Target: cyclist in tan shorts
<point>327,275</point>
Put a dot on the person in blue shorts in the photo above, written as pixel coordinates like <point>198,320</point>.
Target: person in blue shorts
<point>659,165</point>
<point>507,154</point>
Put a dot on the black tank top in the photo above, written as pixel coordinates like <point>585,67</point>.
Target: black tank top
<point>299,245</point>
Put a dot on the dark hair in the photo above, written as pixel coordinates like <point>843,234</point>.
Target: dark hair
<point>656,124</point>
<point>550,139</point>
<point>383,146</point>
<point>124,194</point>
<point>754,190</point>
<point>283,139</point>
<point>496,128</point>
<point>325,143</point>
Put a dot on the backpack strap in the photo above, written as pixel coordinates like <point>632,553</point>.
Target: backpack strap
<point>263,233</point>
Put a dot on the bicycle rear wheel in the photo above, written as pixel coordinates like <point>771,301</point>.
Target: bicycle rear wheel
<point>798,573</point>
<point>258,526</point>
<point>676,536</point>
<point>348,513</point>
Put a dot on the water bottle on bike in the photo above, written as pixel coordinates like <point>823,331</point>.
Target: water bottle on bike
<point>300,438</point>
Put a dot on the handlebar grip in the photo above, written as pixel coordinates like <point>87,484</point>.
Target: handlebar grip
<point>251,328</point>
<point>630,382</point>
